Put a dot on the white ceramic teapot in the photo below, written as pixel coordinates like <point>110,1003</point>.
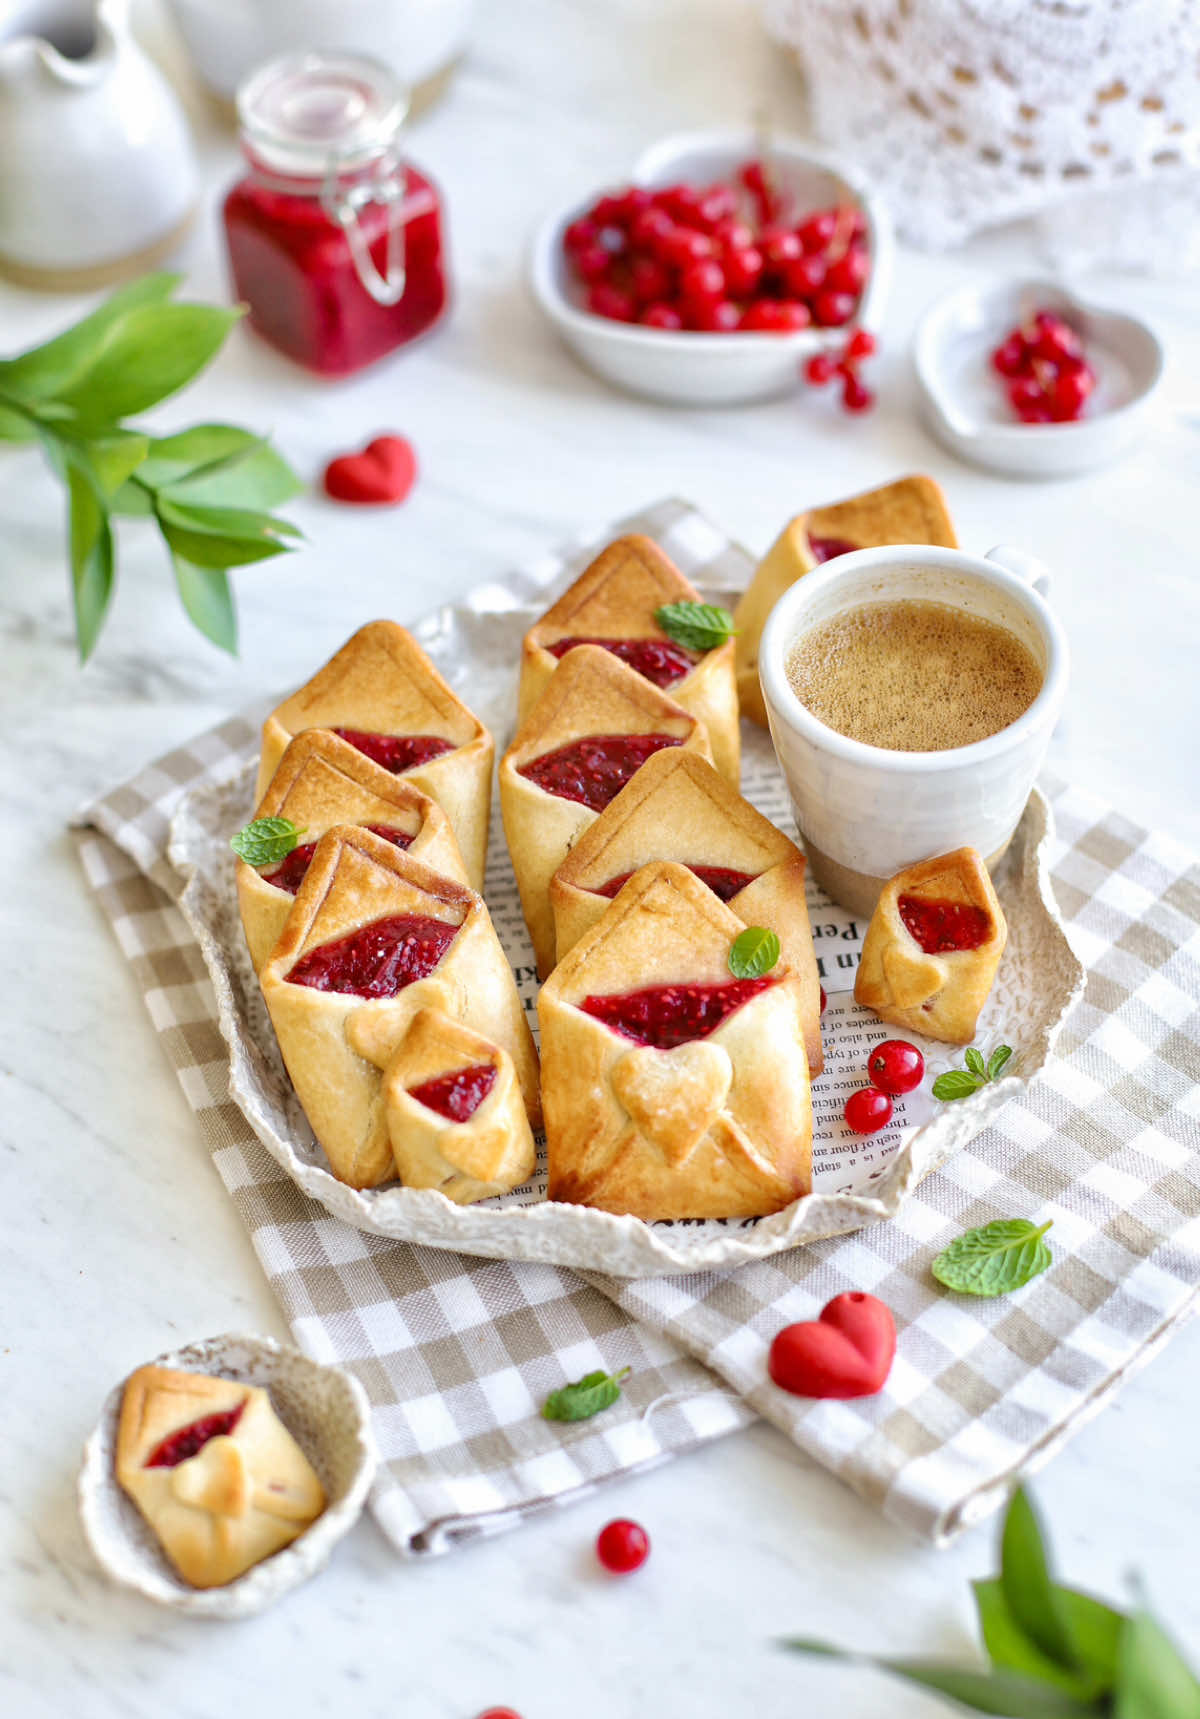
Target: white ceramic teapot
<point>97,172</point>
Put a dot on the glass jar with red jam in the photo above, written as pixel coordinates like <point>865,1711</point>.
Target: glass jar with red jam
<point>335,241</point>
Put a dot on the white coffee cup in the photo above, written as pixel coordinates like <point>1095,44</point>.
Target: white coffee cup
<point>866,812</point>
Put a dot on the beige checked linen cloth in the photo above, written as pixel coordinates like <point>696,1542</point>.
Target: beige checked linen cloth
<point>457,1354</point>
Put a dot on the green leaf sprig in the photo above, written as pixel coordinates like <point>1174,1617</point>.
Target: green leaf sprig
<point>267,841</point>
<point>695,626</point>
<point>1053,1652</point>
<point>209,490</point>
<point>962,1082</point>
<point>995,1258</point>
<point>753,952</point>
<point>585,1397</point>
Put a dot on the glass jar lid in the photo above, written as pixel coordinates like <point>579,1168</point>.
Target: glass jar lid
<point>308,113</point>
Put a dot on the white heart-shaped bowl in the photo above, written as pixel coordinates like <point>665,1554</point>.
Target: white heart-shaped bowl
<point>964,400</point>
<point>327,1413</point>
<point>688,369</point>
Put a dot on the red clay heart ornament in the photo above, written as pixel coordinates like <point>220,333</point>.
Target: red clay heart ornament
<point>380,476</point>
<point>847,1352</point>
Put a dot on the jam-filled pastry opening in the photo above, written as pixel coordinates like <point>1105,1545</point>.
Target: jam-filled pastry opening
<point>456,1096</point>
<point>829,548</point>
<point>594,770</point>
<point>724,882</point>
<point>180,1446</point>
<point>290,873</point>
<point>664,1016</point>
<point>660,661</point>
<point>944,927</point>
<point>396,752</point>
<point>377,960</point>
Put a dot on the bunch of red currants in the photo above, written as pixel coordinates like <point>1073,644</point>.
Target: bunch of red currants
<point>1043,362</point>
<point>895,1067</point>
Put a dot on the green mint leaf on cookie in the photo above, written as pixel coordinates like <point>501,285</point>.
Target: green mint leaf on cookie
<point>585,1397</point>
<point>962,1082</point>
<point>753,952</point>
<point>267,841</point>
<point>695,626</point>
<point>994,1259</point>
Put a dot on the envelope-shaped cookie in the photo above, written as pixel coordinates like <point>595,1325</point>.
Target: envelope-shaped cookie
<point>612,604</point>
<point>933,946</point>
<point>372,937</point>
<point>455,1113</point>
<point>322,781</point>
<point>593,727</point>
<point>382,694</point>
<point>678,807</point>
<point>670,1088</point>
<point>214,1471</point>
<point>911,510</point>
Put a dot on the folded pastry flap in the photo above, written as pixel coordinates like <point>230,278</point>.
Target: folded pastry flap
<point>724,1177</point>
<point>436,1044</point>
<point>284,1482</point>
<point>215,1479</point>
<point>593,692</point>
<point>912,977</point>
<point>910,510</point>
<point>380,682</point>
<point>616,596</point>
<point>159,1401</point>
<point>960,876</point>
<point>322,781</point>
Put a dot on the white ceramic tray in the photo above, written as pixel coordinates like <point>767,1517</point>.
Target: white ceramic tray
<point>856,1181</point>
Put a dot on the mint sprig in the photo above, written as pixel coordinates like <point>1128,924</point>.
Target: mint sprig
<point>585,1397</point>
<point>962,1082</point>
<point>267,841</point>
<point>1052,1651</point>
<point>994,1259</point>
<point>695,626</point>
<point>753,952</point>
<point>209,489</point>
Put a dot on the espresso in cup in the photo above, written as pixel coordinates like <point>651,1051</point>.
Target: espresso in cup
<point>912,675</point>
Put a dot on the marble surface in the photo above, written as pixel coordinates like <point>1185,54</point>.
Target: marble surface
<point>118,1239</point>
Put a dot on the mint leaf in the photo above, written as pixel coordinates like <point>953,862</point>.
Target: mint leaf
<point>585,1397</point>
<point>975,1063</point>
<point>995,1258</point>
<point>205,594</point>
<point>998,1061</point>
<point>148,355</point>
<point>90,547</point>
<point>955,1083</point>
<point>695,626</point>
<point>45,370</point>
<point>753,952</point>
<point>1004,1693</point>
<point>266,841</point>
<point>1154,1681</point>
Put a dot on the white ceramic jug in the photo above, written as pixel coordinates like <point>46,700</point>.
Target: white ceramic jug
<point>97,172</point>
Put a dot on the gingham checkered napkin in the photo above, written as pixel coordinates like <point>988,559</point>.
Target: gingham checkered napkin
<point>457,1354</point>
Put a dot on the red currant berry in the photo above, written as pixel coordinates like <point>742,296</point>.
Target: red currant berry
<point>720,316</point>
<point>793,315</point>
<point>580,234</point>
<point>1039,412</point>
<point>856,396</point>
<point>649,229</point>
<point>895,1066</point>
<point>622,1546</point>
<point>806,276</point>
<point>650,279</point>
<point>1071,392</point>
<point>1025,393</point>
<point>833,309</point>
<point>743,269</point>
<point>820,370</point>
<point>733,235</point>
<point>633,203</point>
<point>868,1110</point>
<point>717,204</point>
<point>684,246</point>
<point>661,315</point>
<point>609,301</point>
<point>592,263</point>
<point>1010,356</point>
<point>762,317</point>
<point>850,271</point>
<point>779,249</point>
<point>861,344</point>
<point>500,1713</point>
<point>816,234</point>
<point>703,283</point>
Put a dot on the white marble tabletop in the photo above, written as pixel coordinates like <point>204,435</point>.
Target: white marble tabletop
<point>119,1239</point>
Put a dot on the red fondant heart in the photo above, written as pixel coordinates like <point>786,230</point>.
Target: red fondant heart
<point>382,474</point>
<point>847,1352</point>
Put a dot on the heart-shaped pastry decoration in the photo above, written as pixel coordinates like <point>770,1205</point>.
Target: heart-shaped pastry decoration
<point>674,1096</point>
<point>380,476</point>
<point>847,1352</point>
<point>214,1479</point>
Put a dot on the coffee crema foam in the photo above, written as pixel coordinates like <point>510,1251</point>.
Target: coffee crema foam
<point>913,676</point>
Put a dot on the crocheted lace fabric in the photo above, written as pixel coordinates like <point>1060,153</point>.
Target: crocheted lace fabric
<point>967,113</point>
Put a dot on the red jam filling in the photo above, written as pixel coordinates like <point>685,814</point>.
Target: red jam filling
<point>941,927</point>
<point>723,882</point>
<point>456,1096</point>
<point>377,960</point>
<point>593,771</point>
<point>396,752</point>
<point>828,548</point>
<point>178,1446</point>
<point>289,874</point>
<point>659,660</point>
<point>668,1015</point>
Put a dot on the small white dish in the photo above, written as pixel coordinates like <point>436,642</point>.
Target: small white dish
<point>688,369</point>
<point>325,1410</point>
<point>964,400</point>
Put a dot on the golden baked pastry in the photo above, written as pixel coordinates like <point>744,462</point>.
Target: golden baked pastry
<point>613,601</point>
<point>214,1471</point>
<point>911,510</point>
<point>933,946</point>
<point>671,1089</point>
<point>322,781</point>
<point>594,725</point>
<point>382,693</point>
<point>678,807</point>
<point>372,937</point>
<point>455,1113</point>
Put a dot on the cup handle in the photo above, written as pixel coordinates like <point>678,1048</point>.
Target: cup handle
<point>1024,565</point>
